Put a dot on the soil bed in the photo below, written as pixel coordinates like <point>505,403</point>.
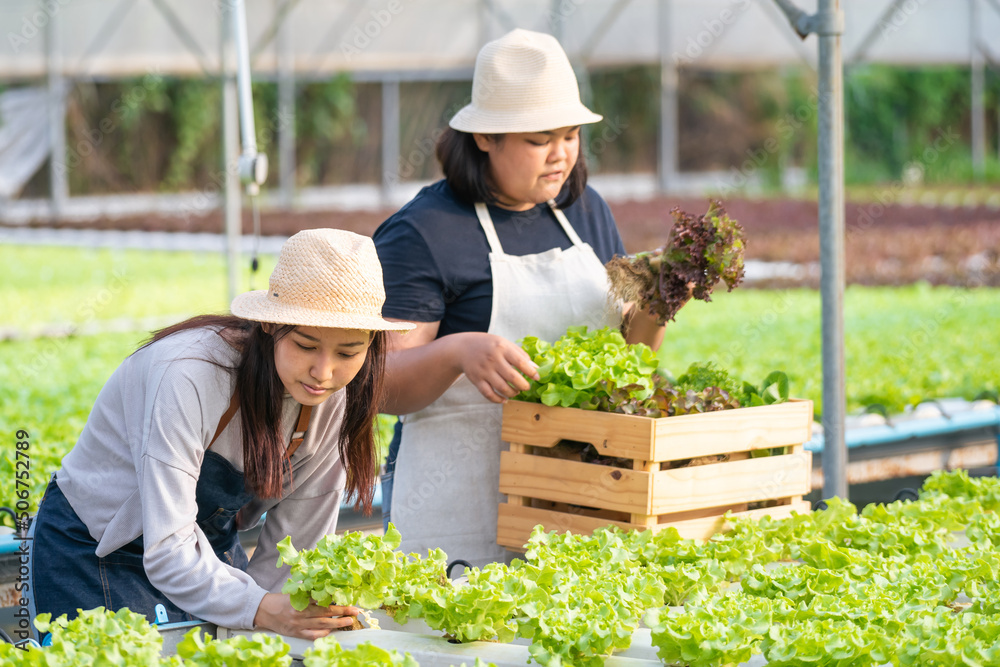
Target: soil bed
<point>886,245</point>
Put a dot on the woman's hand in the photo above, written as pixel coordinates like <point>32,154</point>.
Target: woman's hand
<point>276,613</point>
<point>495,365</point>
<point>420,367</point>
<point>638,326</point>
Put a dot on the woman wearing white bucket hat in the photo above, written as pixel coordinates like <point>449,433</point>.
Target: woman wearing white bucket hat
<point>511,243</point>
<point>215,421</point>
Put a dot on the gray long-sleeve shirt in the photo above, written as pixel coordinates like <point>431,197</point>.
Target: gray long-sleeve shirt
<point>135,468</point>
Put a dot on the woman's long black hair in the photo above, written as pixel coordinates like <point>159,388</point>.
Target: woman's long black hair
<point>261,393</point>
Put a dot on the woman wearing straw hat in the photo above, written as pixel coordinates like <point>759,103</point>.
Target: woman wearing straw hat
<point>215,421</point>
<point>511,243</point>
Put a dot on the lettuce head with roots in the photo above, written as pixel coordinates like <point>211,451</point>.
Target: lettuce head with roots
<point>700,252</point>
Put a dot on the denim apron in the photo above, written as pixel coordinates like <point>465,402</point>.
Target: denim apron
<point>67,574</point>
<point>446,488</point>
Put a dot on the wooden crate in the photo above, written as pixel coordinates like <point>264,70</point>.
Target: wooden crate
<point>576,496</point>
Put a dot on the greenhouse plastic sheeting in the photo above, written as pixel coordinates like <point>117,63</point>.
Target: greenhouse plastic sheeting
<point>24,136</point>
<point>114,39</point>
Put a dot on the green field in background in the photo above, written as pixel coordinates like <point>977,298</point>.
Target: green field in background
<point>46,285</point>
<point>902,344</point>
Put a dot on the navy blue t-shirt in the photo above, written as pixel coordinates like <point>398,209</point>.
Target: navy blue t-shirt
<point>435,256</point>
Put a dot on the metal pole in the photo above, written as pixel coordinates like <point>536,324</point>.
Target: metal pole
<point>230,152</point>
<point>668,100</point>
<point>58,177</point>
<point>828,24</point>
<point>390,138</point>
<point>978,92</point>
<point>831,230</point>
<point>286,114</point>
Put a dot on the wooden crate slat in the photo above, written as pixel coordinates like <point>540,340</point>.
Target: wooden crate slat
<point>677,517</point>
<point>704,528</point>
<point>586,484</point>
<point>665,439</point>
<point>570,495</point>
<point>719,484</point>
<point>566,508</point>
<point>645,520</point>
<point>611,434</point>
<point>518,448</point>
<point>762,427</point>
<point>516,522</point>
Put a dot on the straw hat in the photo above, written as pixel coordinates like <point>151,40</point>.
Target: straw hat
<point>523,83</point>
<point>323,278</point>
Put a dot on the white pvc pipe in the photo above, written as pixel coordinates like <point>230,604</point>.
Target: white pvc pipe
<point>249,134</point>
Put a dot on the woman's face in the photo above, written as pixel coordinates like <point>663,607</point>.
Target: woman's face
<point>315,362</point>
<point>529,168</point>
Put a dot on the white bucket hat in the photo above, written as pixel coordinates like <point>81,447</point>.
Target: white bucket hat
<point>323,278</point>
<point>523,82</point>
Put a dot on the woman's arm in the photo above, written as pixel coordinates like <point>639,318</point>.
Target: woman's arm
<point>420,367</point>
<point>638,326</point>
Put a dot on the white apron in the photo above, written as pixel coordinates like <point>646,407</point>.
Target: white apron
<point>446,483</point>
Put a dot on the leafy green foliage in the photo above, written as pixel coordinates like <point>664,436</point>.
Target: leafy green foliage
<point>417,579</point>
<point>95,637</point>
<point>478,611</point>
<point>774,389</point>
<point>683,580</point>
<point>942,637</point>
<point>841,588</point>
<point>161,132</point>
<point>700,252</point>
<point>833,642</point>
<point>701,376</point>
<point>584,632</point>
<point>835,587</point>
<point>598,370</point>
<point>349,569</point>
<point>260,650</point>
<point>585,597</point>
<point>591,369</point>
<point>327,652</point>
<point>958,484</point>
<point>196,105</point>
<point>366,570</point>
<point>721,631</point>
<point>911,110</point>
